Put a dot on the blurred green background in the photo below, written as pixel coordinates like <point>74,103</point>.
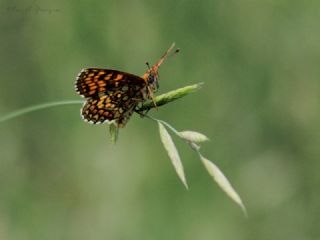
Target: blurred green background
<point>61,178</point>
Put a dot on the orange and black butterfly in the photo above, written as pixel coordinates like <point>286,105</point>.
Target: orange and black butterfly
<point>114,95</point>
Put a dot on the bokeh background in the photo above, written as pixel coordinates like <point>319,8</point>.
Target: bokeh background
<point>61,178</point>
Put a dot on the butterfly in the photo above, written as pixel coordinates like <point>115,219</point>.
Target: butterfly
<point>113,95</point>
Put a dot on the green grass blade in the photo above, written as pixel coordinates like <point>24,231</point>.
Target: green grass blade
<point>34,108</point>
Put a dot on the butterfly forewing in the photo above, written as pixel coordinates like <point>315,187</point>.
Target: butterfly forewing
<point>92,81</point>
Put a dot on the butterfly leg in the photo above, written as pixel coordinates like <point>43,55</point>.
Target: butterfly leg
<point>142,113</point>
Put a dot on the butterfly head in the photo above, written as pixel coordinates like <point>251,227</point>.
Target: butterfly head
<point>152,76</point>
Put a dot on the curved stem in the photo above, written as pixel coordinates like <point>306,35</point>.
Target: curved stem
<point>34,108</point>
<point>164,123</point>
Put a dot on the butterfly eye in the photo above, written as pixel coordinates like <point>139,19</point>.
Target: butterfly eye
<point>151,79</point>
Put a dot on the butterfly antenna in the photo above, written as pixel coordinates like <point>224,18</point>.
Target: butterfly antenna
<point>148,65</point>
<point>165,55</point>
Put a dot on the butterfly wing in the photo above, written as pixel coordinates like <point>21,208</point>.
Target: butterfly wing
<point>93,81</point>
<point>108,108</point>
<point>112,95</point>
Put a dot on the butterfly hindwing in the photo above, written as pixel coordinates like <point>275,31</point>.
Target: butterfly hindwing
<point>107,108</point>
<point>114,105</point>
